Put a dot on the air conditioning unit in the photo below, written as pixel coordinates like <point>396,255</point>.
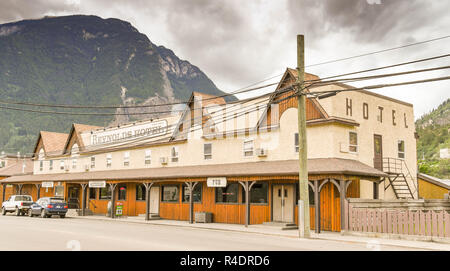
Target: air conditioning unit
<point>163,160</point>
<point>86,167</point>
<point>261,152</point>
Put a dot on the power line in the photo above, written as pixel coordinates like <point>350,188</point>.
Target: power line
<point>385,67</point>
<point>377,52</point>
<point>316,93</point>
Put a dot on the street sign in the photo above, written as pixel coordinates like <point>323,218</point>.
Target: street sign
<point>216,182</point>
<point>97,184</point>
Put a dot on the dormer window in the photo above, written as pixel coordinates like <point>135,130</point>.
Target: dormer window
<point>75,148</point>
<point>74,152</point>
<point>41,154</point>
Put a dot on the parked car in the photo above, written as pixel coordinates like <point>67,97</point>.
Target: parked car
<point>19,204</point>
<point>48,206</point>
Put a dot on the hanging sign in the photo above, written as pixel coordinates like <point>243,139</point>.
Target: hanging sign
<point>97,184</point>
<point>217,182</point>
<point>47,184</point>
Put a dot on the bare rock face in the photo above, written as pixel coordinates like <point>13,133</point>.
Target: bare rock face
<point>86,60</point>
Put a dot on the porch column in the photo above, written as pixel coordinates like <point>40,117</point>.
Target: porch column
<point>317,206</point>
<point>112,187</point>
<point>191,186</point>
<point>147,186</point>
<point>247,189</point>
<point>20,188</point>
<point>38,190</point>
<point>3,192</point>
<point>343,185</point>
<point>83,198</point>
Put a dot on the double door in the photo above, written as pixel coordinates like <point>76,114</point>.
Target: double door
<point>283,203</point>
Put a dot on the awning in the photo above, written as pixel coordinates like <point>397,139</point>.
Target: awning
<point>321,166</point>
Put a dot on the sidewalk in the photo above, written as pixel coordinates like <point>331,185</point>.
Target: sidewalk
<point>271,230</point>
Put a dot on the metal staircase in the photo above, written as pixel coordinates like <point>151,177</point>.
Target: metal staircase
<point>400,178</point>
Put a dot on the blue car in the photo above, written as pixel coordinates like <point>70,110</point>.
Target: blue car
<point>46,207</point>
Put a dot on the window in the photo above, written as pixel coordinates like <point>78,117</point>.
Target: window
<point>258,193</point>
<point>126,158</point>
<point>140,192</point>
<point>169,193</point>
<point>228,194</point>
<point>74,163</point>
<point>93,162</point>
<point>92,193</point>
<point>197,193</point>
<point>248,148</point>
<point>148,157</point>
<point>310,194</point>
<point>122,192</point>
<point>108,160</point>
<point>401,149</point>
<point>61,164</point>
<point>2,164</point>
<point>50,167</point>
<point>353,142</point>
<point>296,142</point>
<point>41,165</point>
<point>105,193</point>
<point>174,154</point>
<point>59,191</point>
<point>207,151</point>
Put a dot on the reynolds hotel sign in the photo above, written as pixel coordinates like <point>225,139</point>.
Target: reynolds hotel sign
<point>147,130</point>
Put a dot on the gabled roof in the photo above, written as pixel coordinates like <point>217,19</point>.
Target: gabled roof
<point>52,142</point>
<point>292,73</point>
<point>207,99</point>
<point>77,129</point>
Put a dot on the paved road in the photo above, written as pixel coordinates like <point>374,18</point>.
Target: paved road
<point>25,233</point>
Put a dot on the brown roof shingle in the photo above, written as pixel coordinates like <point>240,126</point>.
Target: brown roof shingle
<point>53,142</point>
<point>266,168</point>
<point>19,168</point>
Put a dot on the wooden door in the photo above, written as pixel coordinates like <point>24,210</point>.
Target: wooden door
<point>154,200</point>
<point>378,152</point>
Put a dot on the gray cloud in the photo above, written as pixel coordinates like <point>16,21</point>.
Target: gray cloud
<point>13,10</point>
<point>366,22</point>
<point>240,42</point>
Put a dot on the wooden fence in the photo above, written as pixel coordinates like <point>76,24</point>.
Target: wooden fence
<point>433,223</point>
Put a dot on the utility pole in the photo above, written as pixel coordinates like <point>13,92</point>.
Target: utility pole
<point>303,205</point>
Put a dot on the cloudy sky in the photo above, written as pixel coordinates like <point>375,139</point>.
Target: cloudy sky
<point>237,43</point>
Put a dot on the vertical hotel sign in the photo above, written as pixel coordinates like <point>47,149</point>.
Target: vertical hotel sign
<point>144,130</point>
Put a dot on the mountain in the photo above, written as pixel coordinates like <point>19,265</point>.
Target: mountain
<point>434,134</point>
<point>85,60</point>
